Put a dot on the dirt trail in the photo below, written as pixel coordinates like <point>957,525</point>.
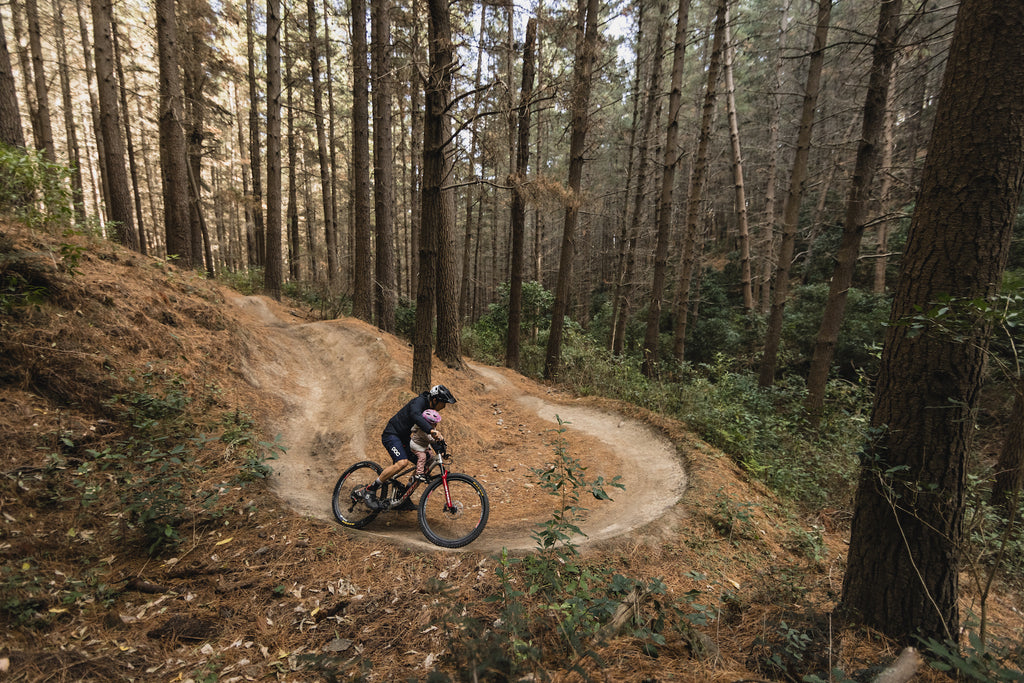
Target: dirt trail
<point>339,381</point>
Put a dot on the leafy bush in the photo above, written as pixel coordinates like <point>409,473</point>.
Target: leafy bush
<point>33,190</point>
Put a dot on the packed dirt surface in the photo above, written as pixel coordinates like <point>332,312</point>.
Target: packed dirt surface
<point>340,381</point>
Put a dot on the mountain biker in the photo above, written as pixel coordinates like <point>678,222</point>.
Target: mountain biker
<point>398,432</point>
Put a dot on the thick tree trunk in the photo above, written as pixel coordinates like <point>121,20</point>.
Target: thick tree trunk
<point>174,175</point>
<point>362,302</point>
<point>110,122</point>
<point>857,202</point>
<point>903,566</point>
<point>35,44</point>
<point>515,296</point>
<point>791,209</point>
<point>272,273</point>
<point>586,47</point>
<point>11,132</point>
<point>691,238</point>
<point>258,247</point>
<point>443,64</point>
<point>384,295</point>
<point>670,164</point>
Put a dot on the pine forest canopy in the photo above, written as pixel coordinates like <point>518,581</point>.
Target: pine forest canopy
<point>678,156</point>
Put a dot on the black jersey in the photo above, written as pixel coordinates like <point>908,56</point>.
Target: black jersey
<point>411,414</point>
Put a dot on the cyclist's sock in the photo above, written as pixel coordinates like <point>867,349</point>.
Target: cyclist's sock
<point>375,485</point>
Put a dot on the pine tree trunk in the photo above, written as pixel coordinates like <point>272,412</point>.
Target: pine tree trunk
<point>39,76</point>
<point>449,329</point>
<point>246,172</point>
<point>11,132</point>
<point>586,47</point>
<point>691,238</point>
<point>746,279</point>
<point>385,298</point>
<point>330,236</point>
<point>791,209</point>
<point>258,248</point>
<point>70,129</point>
<point>172,138</point>
<point>416,153</point>
<point>117,178</point>
<point>1009,479</point>
<point>672,156</point>
<point>362,303</point>
<point>292,216</point>
<point>903,565</point>
<point>473,194</point>
<point>272,273</point>
<point>321,133</point>
<point>133,170</point>
<point>515,297</point>
<point>857,203</point>
<point>100,187</point>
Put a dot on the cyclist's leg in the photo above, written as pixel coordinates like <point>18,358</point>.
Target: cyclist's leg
<point>399,459</point>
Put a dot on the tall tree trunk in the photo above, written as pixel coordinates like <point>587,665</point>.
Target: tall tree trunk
<point>857,202</point>
<point>746,279</point>
<point>791,209</point>
<point>691,237</point>
<point>586,48</point>
<point>70,129</point>
<point>330,236</point>
<point>133,170</point>
<point>174,174</point>
<point>884,201</point>
<point>385,298</point>
<point>416,153</point>
<point>117,179</point>
<point>258,248</point>
<point>515,296</point>
<point>292,215</point>
<point>672,156</point>
<point>903,566</point>
<point>246,172</point>
<point>449,329</point>
<point>99,188</point>
<point>362,302</point>
<point>473,194</point>
<point>39,75</point>
<point>11,132</point>
<point>272,274</point>
<point>321,134</point>
<point>624,283</point>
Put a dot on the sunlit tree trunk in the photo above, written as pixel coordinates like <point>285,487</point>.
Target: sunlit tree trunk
<point>857,202</point>
<point>586,47</point>
<point>515,297</point>
<point>272,273</point>
<point>110,121</point>
<point>903,566</point>
<point>791,209</point>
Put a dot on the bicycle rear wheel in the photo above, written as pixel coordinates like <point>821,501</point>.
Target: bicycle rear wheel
<point>349,508</point>
<point>457,524</point>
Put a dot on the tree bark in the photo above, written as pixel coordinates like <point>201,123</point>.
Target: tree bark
<point>690,261</point>
<point>70,128</point>
<point>272,272</point>
<point>746,280</point>
<point>1010,469</point>
<point>362,302</point>
<point>321,133</point>
<point>39,76</point>
<point>117,179</point>
<point>11,132</point>
<point>443,64</point>
<point>586,47</point>
<point>385,297</point>
<point>257,248</point>
<point>903,565</point>
<point>791,209</point>
<point>473,194</point>
<point>857,202</point>
<point>173,173</point>
<point>292,215</point>
<point>133,171</point>
<point>515,296</point>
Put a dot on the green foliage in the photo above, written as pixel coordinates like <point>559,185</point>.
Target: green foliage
<point>33,190</point>
<point>485,339</point>
<point>985,661</point>
<point>248,281</point>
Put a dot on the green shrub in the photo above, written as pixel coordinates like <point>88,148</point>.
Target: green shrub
<point>33,190</point>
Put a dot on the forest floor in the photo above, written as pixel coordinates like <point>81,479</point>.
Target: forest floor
<point>272,587</point>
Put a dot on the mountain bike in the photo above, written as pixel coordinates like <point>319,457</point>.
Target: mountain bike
<point>452,511</point>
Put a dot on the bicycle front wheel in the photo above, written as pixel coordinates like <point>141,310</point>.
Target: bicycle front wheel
<point>347,503</point>
<point>458,522</point>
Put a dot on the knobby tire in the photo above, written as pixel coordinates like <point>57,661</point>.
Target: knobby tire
<point>460,524</point>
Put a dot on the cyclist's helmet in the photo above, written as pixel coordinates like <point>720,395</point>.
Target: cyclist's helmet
<point>439,392</point>
<point>431,416</point>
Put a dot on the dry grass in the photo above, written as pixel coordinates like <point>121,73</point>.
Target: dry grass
<point>248,594</point>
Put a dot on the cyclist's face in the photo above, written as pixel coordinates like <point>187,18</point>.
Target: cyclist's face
<point>438,404</point>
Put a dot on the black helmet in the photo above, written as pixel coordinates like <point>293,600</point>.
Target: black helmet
<point>439,392</point>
